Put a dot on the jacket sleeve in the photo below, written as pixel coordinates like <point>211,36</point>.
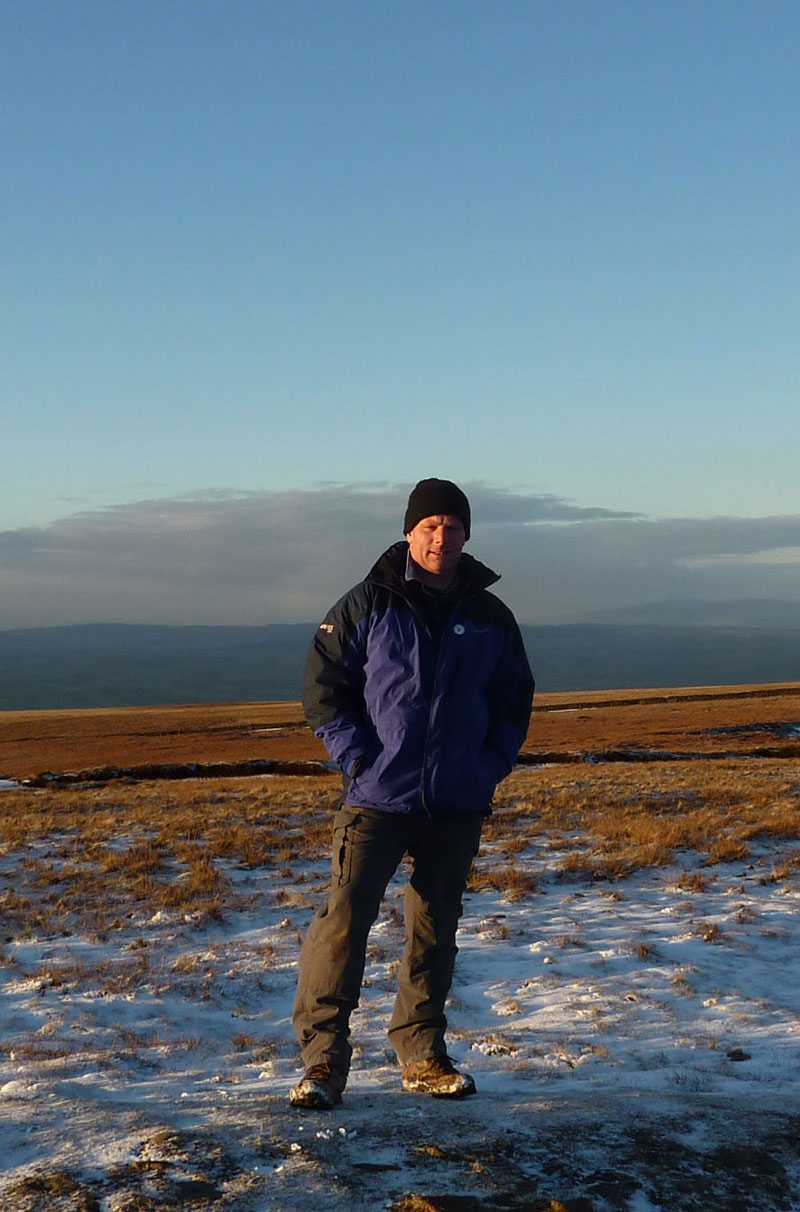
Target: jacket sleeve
<point>333,683</point>
<point>510,696</point>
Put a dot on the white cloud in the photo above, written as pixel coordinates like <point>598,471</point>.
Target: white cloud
<point>218,557</point>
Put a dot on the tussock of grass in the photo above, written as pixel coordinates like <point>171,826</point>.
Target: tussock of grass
<point>692,881</point>
<point>512,881</point>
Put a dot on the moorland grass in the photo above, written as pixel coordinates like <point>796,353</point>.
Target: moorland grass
<point>89,857</point>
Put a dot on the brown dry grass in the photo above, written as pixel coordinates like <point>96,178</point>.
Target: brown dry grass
<point>672,720</point>
<point>679,720</point>
<point>607,821</point>
<point>34,741</point>
<point>98,856</point>
<point>95,858</point>
<point>91,857</point>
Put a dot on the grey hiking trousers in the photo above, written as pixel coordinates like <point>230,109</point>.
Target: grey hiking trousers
<point>367,849</point>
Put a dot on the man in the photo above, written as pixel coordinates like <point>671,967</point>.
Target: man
<point>418,684</point>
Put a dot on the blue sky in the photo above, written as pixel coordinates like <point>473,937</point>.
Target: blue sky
<point>256,249</point>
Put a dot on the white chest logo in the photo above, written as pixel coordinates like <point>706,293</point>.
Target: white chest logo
<point>459,629</point>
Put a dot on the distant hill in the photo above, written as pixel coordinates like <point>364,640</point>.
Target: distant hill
<point>115,665</point>
<point>746,612</point>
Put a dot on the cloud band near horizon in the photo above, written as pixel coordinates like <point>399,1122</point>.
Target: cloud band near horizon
<point>269,557</point>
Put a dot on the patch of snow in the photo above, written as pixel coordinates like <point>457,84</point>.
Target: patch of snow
<point>598,1009</point>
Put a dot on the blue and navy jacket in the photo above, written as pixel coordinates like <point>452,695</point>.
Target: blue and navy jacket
<point>419,714</point>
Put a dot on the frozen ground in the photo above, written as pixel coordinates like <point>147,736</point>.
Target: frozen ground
<point>636,1046</point>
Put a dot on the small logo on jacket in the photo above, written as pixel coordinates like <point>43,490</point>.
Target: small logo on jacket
<point>459,629</point>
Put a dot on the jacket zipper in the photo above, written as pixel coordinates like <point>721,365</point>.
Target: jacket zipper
<point>424,770</point>
<point>446,628</point>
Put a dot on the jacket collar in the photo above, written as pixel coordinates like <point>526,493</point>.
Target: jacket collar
<point>390,569</point>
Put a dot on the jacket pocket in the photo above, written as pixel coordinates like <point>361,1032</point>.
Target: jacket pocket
<point>496,762</point>
<point>393,775</point>
<point>344,825</point>
<point>466,781</point>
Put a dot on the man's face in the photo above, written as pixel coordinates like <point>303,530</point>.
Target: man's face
<point>436,543</point>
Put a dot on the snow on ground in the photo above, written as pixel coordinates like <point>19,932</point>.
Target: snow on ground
<point>636,1046</point>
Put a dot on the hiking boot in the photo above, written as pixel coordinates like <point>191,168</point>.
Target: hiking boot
<point>319,1089</point>
<point>437,1076</point>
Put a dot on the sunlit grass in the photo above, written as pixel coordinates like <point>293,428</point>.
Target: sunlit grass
<point>89,857</point>
<point>613,820</point>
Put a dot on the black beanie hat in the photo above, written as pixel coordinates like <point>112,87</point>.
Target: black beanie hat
<point>431,497</point>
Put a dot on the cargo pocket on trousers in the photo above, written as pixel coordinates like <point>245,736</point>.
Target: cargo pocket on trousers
<point>344,826</point>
